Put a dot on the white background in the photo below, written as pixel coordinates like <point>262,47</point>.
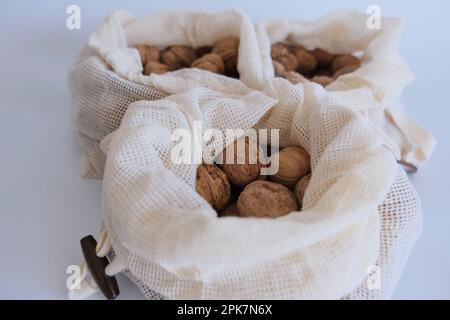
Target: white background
<point>45,207</point>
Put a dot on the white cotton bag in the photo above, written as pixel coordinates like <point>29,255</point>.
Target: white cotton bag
<point>107,75</point>
<point>169,238</point>
<point>373,91</point>
<point>375,88</point>
<point>361,216</point>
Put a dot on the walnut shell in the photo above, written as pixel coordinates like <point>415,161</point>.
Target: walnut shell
<point>280,53</point>
<point>178,57</point>
<point>300,189</point>
<point>155,67</point>
<point>294,163</point>
<point>228,50</point>
<point>226,47</point>
<point>323,80</point>
<point>245,167</point>
<point>213,185</point>
<point>289,62</point>
<point>211,62</point>
<point>148,53</point>
<point>324,58</point>
<point>343,61</point>
<point>346,70</point>
<point>295,77</point>
<point>266,200</point>
<point>202,184</point>
<point>279,50</point>
<point>279,69</point>
<point>306,62</point>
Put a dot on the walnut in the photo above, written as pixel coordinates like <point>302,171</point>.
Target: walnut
<point>227,47</point>
<point>155,67</point>
<point>324,58</point>
<point>279,50</point>
<point>148,53</point>
<point>295,77</point>
<point>300,189</point>
<point>202,184</point>
<point>266,200</point>
<point>178,57</point>
<point>228,50</point>
<point>279,69</point>
<point>289,62</point>
<point>322,80</point>
<point>294,164</point>
<point>345,60</point>
<point>246,166</point>
<point>211,62</point>
<point>213,185</point>
<point>280,53</point>
<point>346,70</point>
<point>306,62</point>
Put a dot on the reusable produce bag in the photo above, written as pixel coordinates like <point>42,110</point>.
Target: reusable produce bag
<point>373,91</point>
<point>107,75</point>
<point>360,217</point>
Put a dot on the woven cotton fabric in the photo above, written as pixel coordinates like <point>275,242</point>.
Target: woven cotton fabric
<point>360,212</point>
<point>107,75</point>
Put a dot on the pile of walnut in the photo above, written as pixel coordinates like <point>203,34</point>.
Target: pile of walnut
<point>240,189</point>
<point>220,59</point>
<point>299,65</point>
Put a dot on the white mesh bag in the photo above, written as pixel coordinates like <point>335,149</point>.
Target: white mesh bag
<point>376,87</point>
<point>107,75</point>
<point>169,238</point>
<point>360,216</point>
<point>374,91</point>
